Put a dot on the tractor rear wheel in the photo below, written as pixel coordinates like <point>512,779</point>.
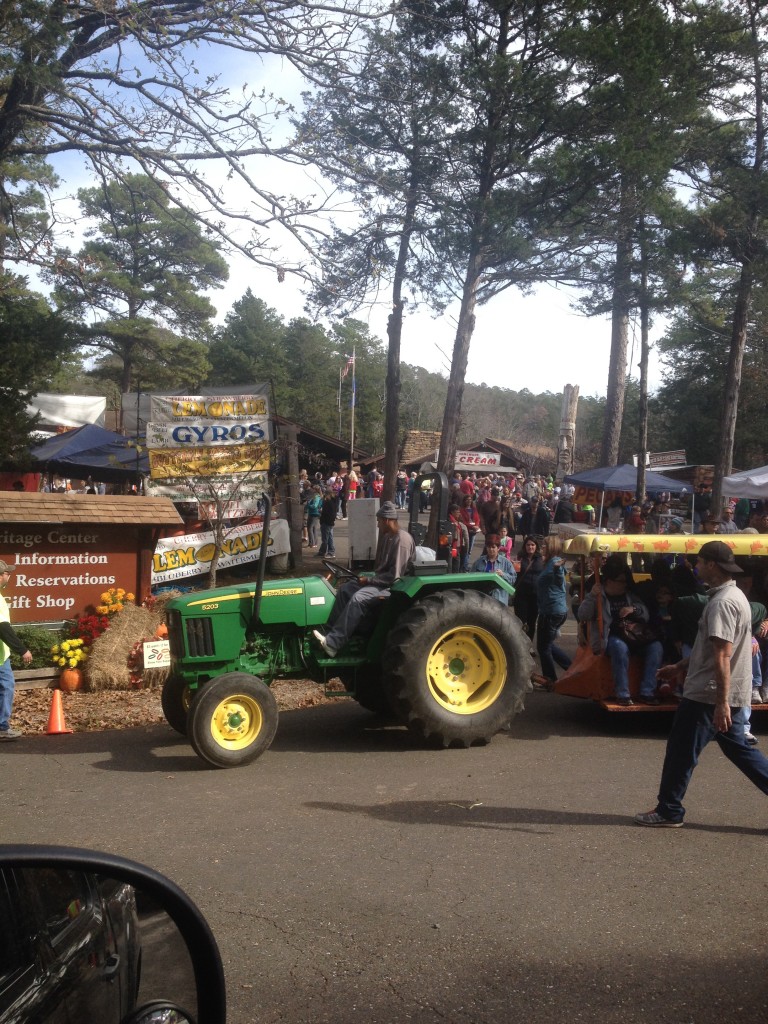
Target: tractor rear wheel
<point>368,688</point>
<point>458,665</point>
<point>175,700</point>
<point>232,720</point>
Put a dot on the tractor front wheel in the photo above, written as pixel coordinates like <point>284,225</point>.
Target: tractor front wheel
<point>232,720</point>
<point>176,700</point>
<point>458,665</point>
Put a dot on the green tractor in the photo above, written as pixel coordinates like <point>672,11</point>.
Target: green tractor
<point>442,654</point>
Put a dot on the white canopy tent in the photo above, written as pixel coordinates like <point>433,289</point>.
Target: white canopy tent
<point>67,410</point>
<point>751,483</point>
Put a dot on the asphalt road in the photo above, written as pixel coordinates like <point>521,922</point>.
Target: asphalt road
<point>352,876</point>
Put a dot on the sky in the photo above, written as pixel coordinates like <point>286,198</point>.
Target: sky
<point>535,342</point>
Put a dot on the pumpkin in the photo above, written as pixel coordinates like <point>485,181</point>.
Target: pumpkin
<point>162,631</point>
<point>71,679</point>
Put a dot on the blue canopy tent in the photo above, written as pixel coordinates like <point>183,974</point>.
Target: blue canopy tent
<point>91,451</point>
<point>622,478</point>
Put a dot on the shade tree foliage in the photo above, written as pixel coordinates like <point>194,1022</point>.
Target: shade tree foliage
<point>136,286</point>
<point>483,146</point>
<point>27,368</point>
<point>137,86</point>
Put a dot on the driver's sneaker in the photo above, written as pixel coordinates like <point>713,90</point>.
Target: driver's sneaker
<point>654,820</point>
<point>320,637</point>
<point>9,734</point>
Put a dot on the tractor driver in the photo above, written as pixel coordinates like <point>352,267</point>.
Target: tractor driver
<point>393,559</point>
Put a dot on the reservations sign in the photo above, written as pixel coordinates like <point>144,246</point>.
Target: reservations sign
<point>191,555</point>
<point>62,570</point>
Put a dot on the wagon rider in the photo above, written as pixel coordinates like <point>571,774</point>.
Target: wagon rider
<point>394,558</point>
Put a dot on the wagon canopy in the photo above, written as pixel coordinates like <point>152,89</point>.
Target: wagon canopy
<point>663,543</point>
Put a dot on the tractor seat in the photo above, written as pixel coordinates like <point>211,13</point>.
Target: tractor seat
<point>437,568</point>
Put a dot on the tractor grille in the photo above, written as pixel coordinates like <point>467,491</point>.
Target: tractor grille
<point>175,639</point>
<point>199,637</point>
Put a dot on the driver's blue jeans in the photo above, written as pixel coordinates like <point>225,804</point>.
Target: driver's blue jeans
<point>692,729</point>
<point>353,600</point>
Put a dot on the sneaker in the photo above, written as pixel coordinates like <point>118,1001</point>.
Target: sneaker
<point>652,701</point>
<point>625,702</point>
<point>764,694</point>
<point>10,734</point>
<point>320,637</point>
<point>756,698</point>
<point>751,740</point>
<point>654,820</point>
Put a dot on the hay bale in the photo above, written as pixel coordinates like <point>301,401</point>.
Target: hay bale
<point>108,660</point>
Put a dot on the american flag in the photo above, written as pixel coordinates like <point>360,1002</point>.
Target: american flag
<point>350,364</point>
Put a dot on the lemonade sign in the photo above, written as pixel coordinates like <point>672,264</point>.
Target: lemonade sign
<point>177,557</point>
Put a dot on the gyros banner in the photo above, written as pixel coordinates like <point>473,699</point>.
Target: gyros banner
<point>206,432</point>
<point>191,555</point>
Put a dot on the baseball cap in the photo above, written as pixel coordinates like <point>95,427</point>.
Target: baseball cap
<point>387,510</point>
<point>717,551</point>
<point>6,566</point>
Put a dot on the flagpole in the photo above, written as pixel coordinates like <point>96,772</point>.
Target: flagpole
<point>338,401</point>
<point>352,418</point>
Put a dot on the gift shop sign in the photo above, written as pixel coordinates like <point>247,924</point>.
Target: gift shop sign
<point>191,555</point>
<point>61,571</point>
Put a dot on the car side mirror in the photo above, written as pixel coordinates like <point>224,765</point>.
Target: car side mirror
<point>92,936</point>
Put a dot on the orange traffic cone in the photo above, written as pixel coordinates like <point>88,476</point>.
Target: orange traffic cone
<point>56,724</point>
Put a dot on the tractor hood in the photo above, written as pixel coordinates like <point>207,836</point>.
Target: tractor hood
<point>299,602</point>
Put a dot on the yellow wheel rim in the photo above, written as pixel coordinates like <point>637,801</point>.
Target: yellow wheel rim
<point>466,670</point>
<point>236,722</point>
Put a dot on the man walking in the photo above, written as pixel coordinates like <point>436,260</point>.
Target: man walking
<point>8,642</point>
<point>717,691</point>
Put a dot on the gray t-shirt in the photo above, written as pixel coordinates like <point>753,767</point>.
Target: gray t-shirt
<point>727,616</point>
<point>394,558</point>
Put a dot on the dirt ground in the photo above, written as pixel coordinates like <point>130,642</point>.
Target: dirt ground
<point>125,709</point>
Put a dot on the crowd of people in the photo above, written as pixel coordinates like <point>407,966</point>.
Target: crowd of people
<point>503,525</point>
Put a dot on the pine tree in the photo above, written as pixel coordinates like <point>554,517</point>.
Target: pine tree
<point>137,282</point>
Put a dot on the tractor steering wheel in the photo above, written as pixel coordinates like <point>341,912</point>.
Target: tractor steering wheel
<point>338,571</point>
